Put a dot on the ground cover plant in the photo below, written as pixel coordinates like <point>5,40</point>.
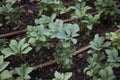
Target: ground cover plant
<point>46,39</point>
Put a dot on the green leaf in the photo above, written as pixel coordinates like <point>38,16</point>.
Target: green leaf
<point>67,75</point>
<point>66,44</point>
<point>24,46</point>
<point>112,55</point>
<point>21,43</point>
<point>5,75</point>
<point>3,65</point>
<point>27,50</point>
<point>24,71</point>
<point>62,76</point>
<point>74,41</point>
<point>97,43</point>
<point>8,52</point>
<point>13,45</point>
<point>107,74</point>
<point>90,27</point>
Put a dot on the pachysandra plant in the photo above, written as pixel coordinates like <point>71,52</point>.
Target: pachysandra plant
<point>113,57</point>
<point>45,19</point>
<point>23,72</point>
<point>106,74</point>
<point>99,67</point>
<point>11,14</point>
<point>38,36</point>
<point>64,32</point>
<point>62,76</point>
<point>52,6</point>
<point>64,55</point>
<point>17,48</point>
<point>107,8</point>
<point>115,39</point>
<point>94,65</point>
<point>98,43</point>
<point>80,10</point>
<point>90,20</point>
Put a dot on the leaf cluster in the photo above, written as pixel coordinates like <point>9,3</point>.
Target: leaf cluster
<point>16,48</point>
<point>102,59</point>
<point>62,76</point>
<point>11,14</point>
<point>40,36</point>
<point>107,8</point>
<point>52,6</point>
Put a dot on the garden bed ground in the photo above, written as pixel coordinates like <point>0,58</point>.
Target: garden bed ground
<point>45,55</point>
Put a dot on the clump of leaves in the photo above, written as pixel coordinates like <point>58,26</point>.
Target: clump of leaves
<point>86,20</point>
<point>99,67</point>
<point>80,10</point>
<point>90,20</point>
<point>115,39</point>
<point>62,76</point>
<point>64,55</point>
<point>23,71</point>
<point>51,6</point>
<point>107,8</point>
<point>11,15</point>
<point>94,65</point>
<point>17,48</point>
<point>45,19</point>
<point>106,74</point>
<point>98,43</point>
<point>38,36</point>
<point>113,57</point>
<point>65,32</point>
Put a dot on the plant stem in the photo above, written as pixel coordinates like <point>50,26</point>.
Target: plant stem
<point>21,56</point>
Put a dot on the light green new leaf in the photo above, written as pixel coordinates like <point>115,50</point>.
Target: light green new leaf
<point>3,64</point>
<point>5,75</point>
<point>8,52</point>
<point>26,50</point>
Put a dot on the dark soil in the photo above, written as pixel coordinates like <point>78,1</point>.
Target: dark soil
<point>45,55</point>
